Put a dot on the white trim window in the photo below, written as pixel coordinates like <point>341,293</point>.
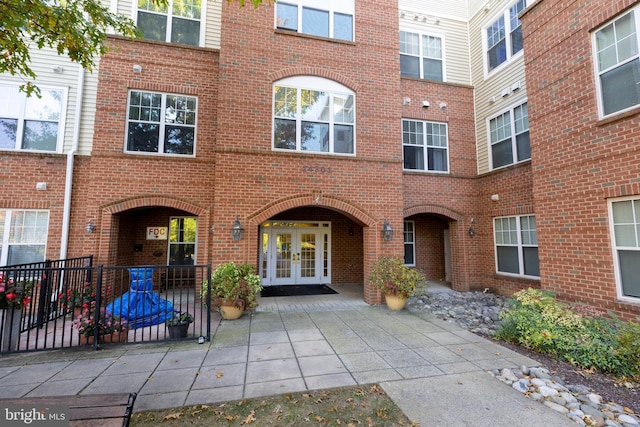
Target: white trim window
<point>625,223</point>
<point>161,123</point>
<point>421,56</point>
<point>516,242</point>
<point>410,243</point>
<point>313,114</point>
<point>503,37</point>
<point>322,18</point>
<point>182,240</point>
<point>425,146</point>
<point>178,21</point>
<point>24,236</point>
<point>31,123</point>
<point>509,137</point>
<point>618,63</point>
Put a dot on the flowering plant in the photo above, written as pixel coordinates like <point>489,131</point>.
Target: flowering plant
<point>12,294</point>
<point>392,277</point>
<point>107,324</point>
<point>78,297</point>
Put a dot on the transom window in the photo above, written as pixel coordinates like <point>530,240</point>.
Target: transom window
<point>178,21</point>
<point>516,240</point>
<point>625,216</point>
<point>332,19</point>
<point>425,146</point>
<point>504,36</point>
<point>161,123</point>
<point>410,243</point>
<point>313,114</point>
<point>421,56</point>
<point>30,123</point>
<point>509,137</point>
<point>23,235</point>
<point>618,64</point>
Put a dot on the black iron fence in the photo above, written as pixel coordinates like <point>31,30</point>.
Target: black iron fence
<point>71,303</point>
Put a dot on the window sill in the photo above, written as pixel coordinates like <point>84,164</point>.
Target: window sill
<point>618,116</point>
<point>309,36</point>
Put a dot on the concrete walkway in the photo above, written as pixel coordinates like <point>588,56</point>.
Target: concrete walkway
<point>434,371</point>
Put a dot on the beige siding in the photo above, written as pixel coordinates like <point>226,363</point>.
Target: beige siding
<point>489,89</point>
<point>88,113</point>
<point>451,8</point>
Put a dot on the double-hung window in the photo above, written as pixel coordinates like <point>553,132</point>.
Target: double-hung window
<point>425,146</point>
<point>504,36</point>
<point>421,56</point>
<point>625,223</point>
<point>23,235</point>
<point>314,115</point>
<point>31,123</point>
<point>410,243</point>
<point>618,63</point>
<point>516,240</point>
<point>509,137</point>
<point>331,19</point>
<point>161,123</point>
<point>177,21</point>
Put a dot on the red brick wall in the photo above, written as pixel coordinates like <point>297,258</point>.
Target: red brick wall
<point>579,161</point>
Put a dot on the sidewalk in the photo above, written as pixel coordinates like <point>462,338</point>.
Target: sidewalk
<point>435,371</point>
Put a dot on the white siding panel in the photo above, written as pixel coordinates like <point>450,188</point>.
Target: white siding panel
<point>452,8</point>
<point>214,22</point>
<point>87,122</point>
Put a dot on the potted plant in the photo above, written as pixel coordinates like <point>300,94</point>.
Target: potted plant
<point>234,288</point>
<point>13,297</point>
<point>78,298</point>
<point>396,281</point>
<point>178,324</point>
<point>110,329</point>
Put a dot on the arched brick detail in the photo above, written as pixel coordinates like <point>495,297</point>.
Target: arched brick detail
<point>433,209</point>
<point>145,201</point>
<point>312,71</point>
<point>311,199</point>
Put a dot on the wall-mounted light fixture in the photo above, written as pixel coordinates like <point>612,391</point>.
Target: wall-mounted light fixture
<point>90,227</point>
<point>426,104</point>
<point>443,106</point>
<point>137,68</point>
<point>237,230</point>
<point>387,231</point>
<point>472,232</point>
<point>406,101</point>
<point>212,229</point>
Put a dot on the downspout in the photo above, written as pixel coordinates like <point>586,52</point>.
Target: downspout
<point>68,185</point>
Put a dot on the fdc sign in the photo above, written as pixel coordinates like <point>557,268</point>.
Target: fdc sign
<point>156,233</point>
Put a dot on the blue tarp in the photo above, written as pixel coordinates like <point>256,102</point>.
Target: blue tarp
<point>141,306</point>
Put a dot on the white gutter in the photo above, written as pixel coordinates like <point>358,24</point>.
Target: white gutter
<point>68,185</point>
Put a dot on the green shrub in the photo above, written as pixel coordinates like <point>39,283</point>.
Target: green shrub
<point>536,320</point>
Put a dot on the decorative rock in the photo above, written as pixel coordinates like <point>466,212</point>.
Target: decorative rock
<point>538,382</point>
<point>509,375</point>
<point>556,407</point>
<point>547,391</point>
<point>521,386</point>
<point>594,398</point>
<point>576,419</point>
<point>628,419</point>
<point>610,423</point>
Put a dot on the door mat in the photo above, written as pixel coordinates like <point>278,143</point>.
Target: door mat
<point>295,290</point>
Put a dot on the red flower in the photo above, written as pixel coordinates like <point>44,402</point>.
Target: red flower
<point>26,301</point>
<point>11,296</point>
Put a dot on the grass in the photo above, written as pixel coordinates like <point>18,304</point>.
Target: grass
<point>366,405</point>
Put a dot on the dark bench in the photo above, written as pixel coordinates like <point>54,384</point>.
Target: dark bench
<point>104,410</point>
<point>177,277</point>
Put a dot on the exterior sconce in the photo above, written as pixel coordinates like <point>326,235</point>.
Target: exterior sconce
<point>387,231</point>
<point>90,227</point>
<point>472,232</point>
<point>212,229</point>
<point>237,230</point>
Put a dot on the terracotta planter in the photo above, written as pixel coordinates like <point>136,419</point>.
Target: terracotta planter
<point>116,337</point>
<point>395,302</point>
<point>230,311</point>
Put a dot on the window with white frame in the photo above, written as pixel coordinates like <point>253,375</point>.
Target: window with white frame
<point>313,114</point>
<point>516,240</point>
<point>24,236</point>
<point>504,36</point>
<point>421,56</point>
<point>182,240</point>
<point>410,243</point>
<point>425,146</point>
<point>509,137</point>
<point>31,123</point>
<point>177,21</point>
<point>625,219</point>
<point>617,55</point>
<point>331,19</point>
<point>161,123</point>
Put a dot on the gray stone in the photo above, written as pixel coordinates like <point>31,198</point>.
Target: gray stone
<point>568,397</point>
<point>590,410</point>
<point>556,407</point>
<point>594,398</point>
<point>628,419</point>
<point>509,375</point>
<point>578,388</point>
<point>547,391</point>
<point>521,386</point>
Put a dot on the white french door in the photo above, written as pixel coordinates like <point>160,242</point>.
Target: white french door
<point>297,254</point>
